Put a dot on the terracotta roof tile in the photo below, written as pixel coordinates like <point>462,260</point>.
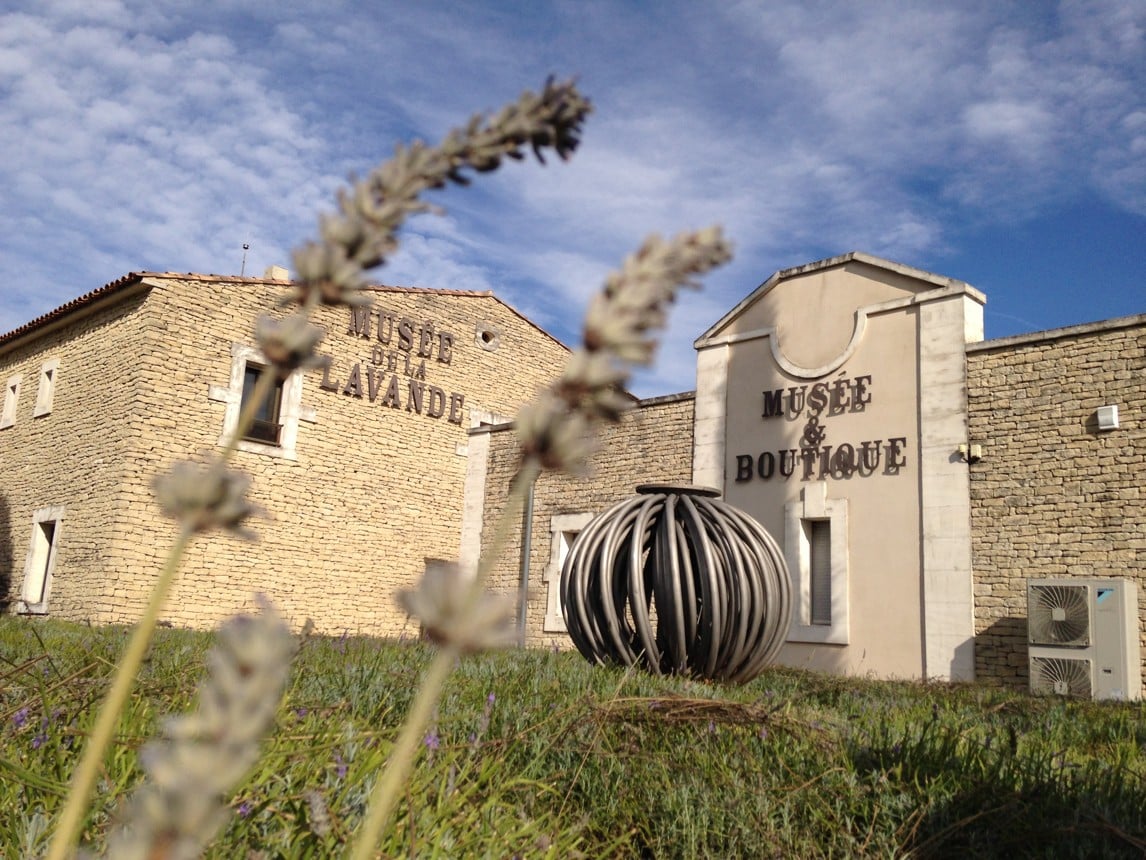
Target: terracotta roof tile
<point>133,278</point>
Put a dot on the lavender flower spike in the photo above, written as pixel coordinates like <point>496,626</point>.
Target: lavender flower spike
<point>363,232</point>
<point>201,756</point>
<point>206,497</point>
<point>620,331</point>
<point>442,604</point>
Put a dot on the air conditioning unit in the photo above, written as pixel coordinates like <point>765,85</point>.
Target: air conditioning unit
<point>1082,637</point>
<point>1062,676</point>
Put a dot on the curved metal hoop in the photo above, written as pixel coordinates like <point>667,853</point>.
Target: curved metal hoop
<point>677,582</point>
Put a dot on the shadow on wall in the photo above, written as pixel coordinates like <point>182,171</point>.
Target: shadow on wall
<point>1001,653</point>
<point>6,559</point>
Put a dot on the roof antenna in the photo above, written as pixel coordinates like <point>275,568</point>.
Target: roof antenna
<point>243,268</point>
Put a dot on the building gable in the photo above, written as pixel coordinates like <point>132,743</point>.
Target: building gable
<point>815,315</point>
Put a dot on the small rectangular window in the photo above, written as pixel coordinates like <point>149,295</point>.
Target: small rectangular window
<point>567,538</point>
<point>11,395</point>
<point>563,531</point>
<point>40,561</point>
<point>816,549</point>
<point>275,430</point>
<point>820,566</point>
<point>266,425</point>
<point>47,390</point>
<point>554,617</point>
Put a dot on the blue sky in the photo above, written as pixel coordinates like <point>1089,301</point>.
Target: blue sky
<point>1001,143</point>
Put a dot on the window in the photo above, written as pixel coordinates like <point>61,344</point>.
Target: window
<point>819,536</point>
<point>275,430</point>
<point>816,550</point>
<point>11,395</point>
<point>563,530</point>
<point>41,561</point>
<point>265,427</point>
<point>47,389</point>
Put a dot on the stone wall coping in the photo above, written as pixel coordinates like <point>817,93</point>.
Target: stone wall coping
<point>1054,334</point>
<point>660,400</point>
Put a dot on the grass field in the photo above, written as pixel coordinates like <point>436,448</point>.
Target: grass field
<point>537,754</point>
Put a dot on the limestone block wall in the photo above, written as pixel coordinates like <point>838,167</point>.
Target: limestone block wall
<point>652,444</point>
<point>376,489</point>
<point>75,458</point>
<point>1054,496</point>
<point>373,485</point>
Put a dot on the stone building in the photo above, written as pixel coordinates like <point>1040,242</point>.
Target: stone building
<point>360,466</point>
<point>1055,493</point>
<point>915,475</point>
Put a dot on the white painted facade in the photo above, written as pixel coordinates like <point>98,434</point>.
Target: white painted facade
<point>849,375</point>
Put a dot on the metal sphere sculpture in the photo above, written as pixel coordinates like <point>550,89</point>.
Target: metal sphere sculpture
<point>677,581</point>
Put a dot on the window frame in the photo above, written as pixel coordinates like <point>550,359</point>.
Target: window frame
<point>40,561</point>
<point>291,410</point>
<point>11,399</point>
<point>814,506</point>
<point>46,391</point>
<point>563,530</point>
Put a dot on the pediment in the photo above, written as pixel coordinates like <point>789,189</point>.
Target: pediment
<point>815,313</point>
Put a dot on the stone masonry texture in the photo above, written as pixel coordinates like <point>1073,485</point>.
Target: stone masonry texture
<point>1054,496</point>
<point>374,490</point>
<point>652,444</point>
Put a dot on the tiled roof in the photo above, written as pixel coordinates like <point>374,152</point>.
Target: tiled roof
<point>132,279</point>
<point>118,285</point>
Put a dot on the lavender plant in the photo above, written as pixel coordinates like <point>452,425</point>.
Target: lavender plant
<point>201,757</point>
<point>178,807</point>
<point>554,432</point>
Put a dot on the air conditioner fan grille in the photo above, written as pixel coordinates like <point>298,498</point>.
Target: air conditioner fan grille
<point>1059,615</point>
<point>1061,677</point>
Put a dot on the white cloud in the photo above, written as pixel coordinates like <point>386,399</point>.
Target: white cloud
<point>426,261</point>
<point>175,152</point>
<point>1023,128</point>
<point>164,135</point>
